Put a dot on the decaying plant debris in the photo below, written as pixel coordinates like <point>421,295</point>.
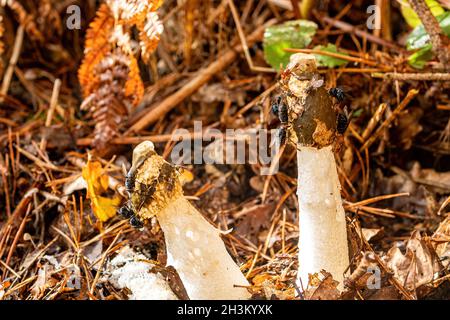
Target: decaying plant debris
<point>75,102</point>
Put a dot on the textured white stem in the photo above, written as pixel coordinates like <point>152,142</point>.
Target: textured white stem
<point>129,269</point>
<point>197,252</point>
<point>323,234</point>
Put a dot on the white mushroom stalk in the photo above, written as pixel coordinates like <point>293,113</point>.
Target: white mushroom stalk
<point>130,269</point>
<point>312,127</point>
<point>194,246</point>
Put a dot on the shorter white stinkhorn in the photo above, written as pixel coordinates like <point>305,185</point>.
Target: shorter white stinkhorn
<point>194,246</point>
<point>312,127</point>
<point>130,269</point>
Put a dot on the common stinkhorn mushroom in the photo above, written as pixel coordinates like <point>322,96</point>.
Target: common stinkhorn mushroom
<point>312,128</point>
<point>132,270</point>
<point>194,247</point>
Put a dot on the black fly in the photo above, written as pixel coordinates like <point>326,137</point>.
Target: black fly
<point>130,181</point>
<point>342,122</point>
<point>126,211</point>
<point>338,93</point>
<point>280,109</point>
<point>136,223</point>
<point>343,116</point>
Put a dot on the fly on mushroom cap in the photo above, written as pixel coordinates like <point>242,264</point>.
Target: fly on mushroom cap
<point>311,113</point>
<point>194,247</point>
<point>157,181</point>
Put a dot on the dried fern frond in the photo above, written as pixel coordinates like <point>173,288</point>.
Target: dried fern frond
<point>132,11</point>
<point>97,46</point>
<point>25,19</point>
<point>102,38</point>
<point>149,34</point>
<point>109,74</point>
<point>134,88</point>
<point>141,14</point>
<point>109,104</point>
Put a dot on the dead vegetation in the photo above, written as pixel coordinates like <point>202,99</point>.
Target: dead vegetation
<point>75,102</point>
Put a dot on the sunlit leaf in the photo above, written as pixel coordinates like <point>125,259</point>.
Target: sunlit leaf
<point>327,61</point>
<point>419,59</point>
<point>419,39</point>
<point>97,184</point>
<point>411,17</point>
<point>357,113</point>
<point>292,34</point>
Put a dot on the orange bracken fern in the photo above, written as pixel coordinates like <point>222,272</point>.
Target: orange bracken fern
<point>109,74</point>
<point>97,45</point>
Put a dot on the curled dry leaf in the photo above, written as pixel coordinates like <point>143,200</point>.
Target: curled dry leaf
<point>442,238</point>
<point>46,276</point>
<point>322,286</point>
<point>408,127</point>
<point>417,266</point>
<point>251,220</point>
<point>367,260</point>
<point>435,179</point>
<point>370,233</point>
<point>435,183</point>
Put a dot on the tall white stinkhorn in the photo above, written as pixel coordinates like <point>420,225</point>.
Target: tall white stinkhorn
<point>312,127</point>
<point>194,246</point>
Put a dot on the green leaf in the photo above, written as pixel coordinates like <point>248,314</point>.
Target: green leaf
<point>411,17</point>
<point>327,61</point>
<point>418,38</point>
<point>420,58</point>
<point>292,34</point>
<point>357,113</point>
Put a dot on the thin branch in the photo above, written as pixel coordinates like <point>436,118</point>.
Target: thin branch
<point>12,62</point>
<point>413,76</point>
<point>51,110</point>
<point>241,34</point>
<point>409,96</point>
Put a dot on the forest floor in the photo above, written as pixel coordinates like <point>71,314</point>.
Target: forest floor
<point>63,127</point>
